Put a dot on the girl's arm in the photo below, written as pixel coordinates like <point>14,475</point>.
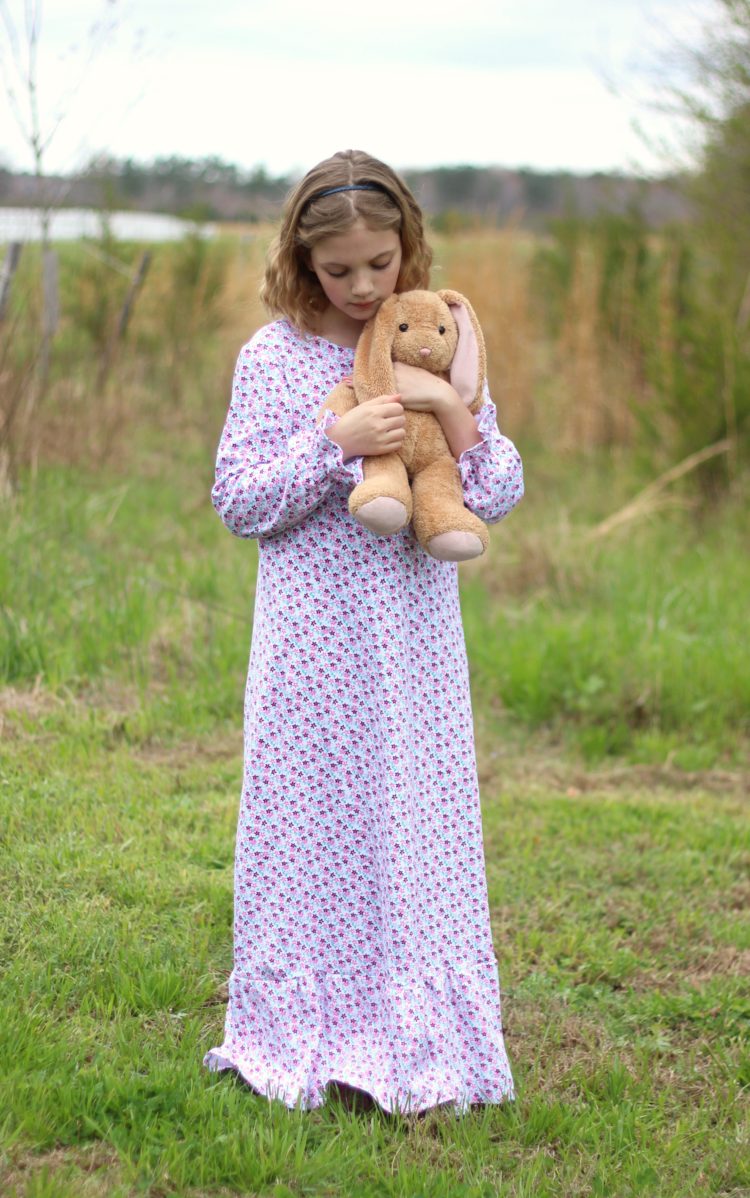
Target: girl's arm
<point>489,464</point>
<point>422,391</point>
<point>269,477</point>
<point>491,470</point>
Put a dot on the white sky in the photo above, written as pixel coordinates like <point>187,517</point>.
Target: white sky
<point>548,84</point>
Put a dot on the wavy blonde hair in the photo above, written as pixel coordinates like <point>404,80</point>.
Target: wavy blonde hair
<point>290,288</point>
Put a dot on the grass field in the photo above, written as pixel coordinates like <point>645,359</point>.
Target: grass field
<point>612,694</point>
<point>616,838</point>
<point>619,907</point>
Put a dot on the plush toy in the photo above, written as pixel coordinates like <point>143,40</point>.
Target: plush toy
<point>439,332</point>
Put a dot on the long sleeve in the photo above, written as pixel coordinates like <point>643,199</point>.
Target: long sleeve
<point>491,471</point>
<point>270,472</point>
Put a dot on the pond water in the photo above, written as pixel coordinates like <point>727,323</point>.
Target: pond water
<point>69,224</point>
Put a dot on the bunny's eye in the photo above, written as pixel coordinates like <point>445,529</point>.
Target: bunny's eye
<point>403,327</point>
<point>441,329</point>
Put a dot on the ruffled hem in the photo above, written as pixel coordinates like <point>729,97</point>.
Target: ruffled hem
<point>411,1043</point>
<point>309,1094</point>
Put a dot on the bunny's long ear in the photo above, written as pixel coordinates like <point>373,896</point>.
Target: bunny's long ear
<point>373,368</point>
<point>469,365</point>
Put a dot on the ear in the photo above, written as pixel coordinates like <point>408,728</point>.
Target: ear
<point>373,368</point>
<point>469,365</point>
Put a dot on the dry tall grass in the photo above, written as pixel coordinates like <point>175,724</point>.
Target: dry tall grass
<point>567,370</point>
<point>493,270</point>
<point>571,383</point>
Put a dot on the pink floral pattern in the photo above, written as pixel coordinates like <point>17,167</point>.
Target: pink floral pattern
<point>362,945</point>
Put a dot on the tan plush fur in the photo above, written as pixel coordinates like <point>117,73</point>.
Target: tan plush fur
<point>423,476</point>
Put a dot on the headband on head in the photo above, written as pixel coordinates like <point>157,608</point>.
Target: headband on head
<point>347,187</point>
<point>350,187</point>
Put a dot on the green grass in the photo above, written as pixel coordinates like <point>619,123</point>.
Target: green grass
<point>634,647</point>
<point>619,916</point>
<point>611,706</point>
<point>128,584</point>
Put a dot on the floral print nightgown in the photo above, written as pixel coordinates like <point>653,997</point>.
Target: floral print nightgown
<point>362,946</point>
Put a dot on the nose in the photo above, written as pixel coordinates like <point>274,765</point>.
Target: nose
<point>425,352</point>
<point>362,286</point>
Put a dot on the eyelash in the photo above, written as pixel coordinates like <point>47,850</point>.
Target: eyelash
<point>341,276</point>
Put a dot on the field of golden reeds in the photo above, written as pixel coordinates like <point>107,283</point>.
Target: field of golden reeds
<point>602,337</point>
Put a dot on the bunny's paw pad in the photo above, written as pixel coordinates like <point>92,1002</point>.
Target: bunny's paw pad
<point>383,515</point>
<point>455,546</point>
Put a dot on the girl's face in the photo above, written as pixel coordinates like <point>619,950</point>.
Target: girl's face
<point>358,269</point>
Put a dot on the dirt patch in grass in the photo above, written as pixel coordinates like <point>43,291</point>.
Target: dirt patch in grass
<point>535,768</point>
<point>95,1169</point>
<point>697,970</point>
<point>557,1046</point>
<point>32,702</point>
<point>224,747</point>
<point>725,962</point>
<point>19,706</point>
<point>23,712</point>
<point>567,1055</point>
<point>646,777</point>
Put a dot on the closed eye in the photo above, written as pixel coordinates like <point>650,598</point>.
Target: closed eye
<point>340,274</point>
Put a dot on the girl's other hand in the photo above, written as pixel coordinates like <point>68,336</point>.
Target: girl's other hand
<point>424,392</point>
<point>371,429</point>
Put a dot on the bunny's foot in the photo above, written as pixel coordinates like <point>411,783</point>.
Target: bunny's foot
<point>382,501</point>
<point>455,546</point>
<point>383,515</point>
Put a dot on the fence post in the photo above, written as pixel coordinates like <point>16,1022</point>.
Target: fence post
<point>135,285</point>
<point>136,282</point>
<point>50,312</point>
<point>9,268</point>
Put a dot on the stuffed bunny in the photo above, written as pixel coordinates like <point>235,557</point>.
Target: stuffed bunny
<point>437,331</point>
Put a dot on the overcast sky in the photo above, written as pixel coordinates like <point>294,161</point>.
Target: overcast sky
<point>548,84</point>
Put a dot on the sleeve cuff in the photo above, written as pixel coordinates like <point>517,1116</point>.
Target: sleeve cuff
<point>351,468</point>
<point>486,426</point>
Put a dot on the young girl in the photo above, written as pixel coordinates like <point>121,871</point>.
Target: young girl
<point>362,946</point>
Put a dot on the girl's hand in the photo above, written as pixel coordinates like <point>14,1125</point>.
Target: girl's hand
<point>421,391</point>
<point>425,392</point>
<point>371,429</point>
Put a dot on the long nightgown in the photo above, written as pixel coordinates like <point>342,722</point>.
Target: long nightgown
<point>362,945</point>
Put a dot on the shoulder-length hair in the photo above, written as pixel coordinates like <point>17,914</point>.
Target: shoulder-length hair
<point>290,287</point>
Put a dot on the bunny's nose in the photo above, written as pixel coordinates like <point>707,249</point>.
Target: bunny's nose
<point>425,352</point>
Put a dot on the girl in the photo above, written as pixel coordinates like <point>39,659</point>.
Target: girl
<point>362,946</point>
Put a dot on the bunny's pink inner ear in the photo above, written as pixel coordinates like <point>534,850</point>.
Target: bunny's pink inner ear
<point>464,373</point>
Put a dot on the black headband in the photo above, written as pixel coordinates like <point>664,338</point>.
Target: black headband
<point>349,187</point>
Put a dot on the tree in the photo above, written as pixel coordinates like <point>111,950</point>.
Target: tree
<point>722,193</point>
<point>19,64</point>
<point>19,69</point>
<point>714,99</point>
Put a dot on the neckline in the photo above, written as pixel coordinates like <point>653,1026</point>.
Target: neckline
<point>349,349</point>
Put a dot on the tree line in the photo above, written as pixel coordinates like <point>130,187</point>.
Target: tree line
<point>455,196</point>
